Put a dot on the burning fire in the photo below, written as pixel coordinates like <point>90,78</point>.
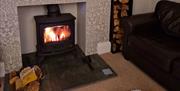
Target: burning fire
<point>56,33</point>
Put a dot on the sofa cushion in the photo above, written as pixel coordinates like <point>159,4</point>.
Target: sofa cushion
<point>168,14</point>
<point>158,46</point>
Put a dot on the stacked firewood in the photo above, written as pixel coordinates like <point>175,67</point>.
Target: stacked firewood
<point>28,79</point>
<point>119,10</point>
<point>124,8</point>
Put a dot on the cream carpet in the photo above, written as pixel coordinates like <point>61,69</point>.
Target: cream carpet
<point>129,77</point>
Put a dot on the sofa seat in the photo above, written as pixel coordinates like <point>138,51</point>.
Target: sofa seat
<point>157,45</point>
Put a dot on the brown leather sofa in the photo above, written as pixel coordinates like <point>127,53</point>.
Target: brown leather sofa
<point>152,42</point>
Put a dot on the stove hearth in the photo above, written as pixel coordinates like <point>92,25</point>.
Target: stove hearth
<point>55,31</point>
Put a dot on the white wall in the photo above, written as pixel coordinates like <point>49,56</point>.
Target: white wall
<point>175,1</point>
<point>145,6</point>
<point>27,27</point>
<point>81,22</point>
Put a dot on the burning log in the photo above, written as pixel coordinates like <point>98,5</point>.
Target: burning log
<point>56,33</point>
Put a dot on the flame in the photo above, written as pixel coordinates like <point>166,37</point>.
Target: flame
<point>62,36</point>
<point>56,33</point>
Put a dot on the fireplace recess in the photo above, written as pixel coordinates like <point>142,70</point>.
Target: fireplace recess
<point>55,31</point>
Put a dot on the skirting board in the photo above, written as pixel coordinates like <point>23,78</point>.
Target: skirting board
<point>103,47</point>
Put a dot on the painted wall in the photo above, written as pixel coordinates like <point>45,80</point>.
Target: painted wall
<point>145,6</point>
<point>176,1</point>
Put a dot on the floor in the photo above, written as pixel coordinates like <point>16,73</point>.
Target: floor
<point>129,77</point>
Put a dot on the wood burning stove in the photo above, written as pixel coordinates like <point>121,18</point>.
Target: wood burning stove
<point>55,31</point>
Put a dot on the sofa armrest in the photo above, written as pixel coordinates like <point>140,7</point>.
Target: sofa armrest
<point>139,22</point>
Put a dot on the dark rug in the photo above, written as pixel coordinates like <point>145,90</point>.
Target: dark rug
<point>63,72</point>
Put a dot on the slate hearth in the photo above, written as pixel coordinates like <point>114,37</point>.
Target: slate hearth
<point>71,69</point>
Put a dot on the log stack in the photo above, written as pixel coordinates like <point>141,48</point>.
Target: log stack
<point>119,10</point>
<point>28,79</point>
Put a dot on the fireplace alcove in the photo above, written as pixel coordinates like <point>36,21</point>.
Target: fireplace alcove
<point>95,19</point>
<point>34,19</point>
